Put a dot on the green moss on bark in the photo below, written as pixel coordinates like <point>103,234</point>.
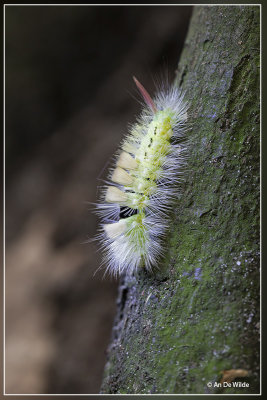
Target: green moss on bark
<point>199,314</point>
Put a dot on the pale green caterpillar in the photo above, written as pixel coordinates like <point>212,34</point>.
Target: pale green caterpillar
<point>143,184</point>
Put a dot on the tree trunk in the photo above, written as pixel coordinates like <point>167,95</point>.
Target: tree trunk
<point>178,329</point>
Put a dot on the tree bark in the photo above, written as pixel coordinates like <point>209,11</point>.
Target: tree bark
<point>198,314</point>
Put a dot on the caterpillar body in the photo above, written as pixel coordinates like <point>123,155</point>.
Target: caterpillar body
<point>135,204</point>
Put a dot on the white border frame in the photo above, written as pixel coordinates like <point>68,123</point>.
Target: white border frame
<point>140,394</point>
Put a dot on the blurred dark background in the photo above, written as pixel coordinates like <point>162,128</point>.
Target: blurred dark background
<point>69,100</point>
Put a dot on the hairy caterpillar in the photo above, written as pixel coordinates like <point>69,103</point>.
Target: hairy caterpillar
<point>143,184</point>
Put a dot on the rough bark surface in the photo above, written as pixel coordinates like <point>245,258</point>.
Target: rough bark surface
<point>198,315</point>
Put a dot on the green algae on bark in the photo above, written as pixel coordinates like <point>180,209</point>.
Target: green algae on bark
<point>198,314</point>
